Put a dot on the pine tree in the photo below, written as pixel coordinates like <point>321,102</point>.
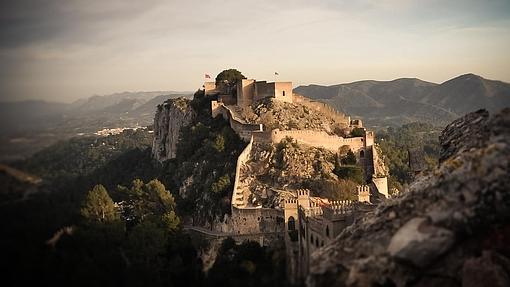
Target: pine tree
<point>98,206</point>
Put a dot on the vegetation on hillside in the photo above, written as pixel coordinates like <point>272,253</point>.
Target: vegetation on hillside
<point>81,156</point>
<point>395,143</point>
<point>204,168</point>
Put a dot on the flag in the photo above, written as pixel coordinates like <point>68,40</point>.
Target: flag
<point>276,74</point>
<point>207,76</point>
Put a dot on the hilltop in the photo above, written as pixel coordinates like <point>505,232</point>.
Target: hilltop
<point>383,103</point>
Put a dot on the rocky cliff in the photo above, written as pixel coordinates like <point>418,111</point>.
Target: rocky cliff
<point>450,228</point>
<point>170,117</point>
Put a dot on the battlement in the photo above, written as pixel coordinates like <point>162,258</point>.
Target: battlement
<point>319,139</point>
<point>303,192</point>
<point>363,193</point>
<point>314,211</point>
<point>290,201</point>
<point>341,206</point>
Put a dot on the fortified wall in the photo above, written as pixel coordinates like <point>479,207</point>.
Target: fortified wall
<point>319,139</point>
<point>244,130</point>
<point>306,223</point>
<point>238,192</point>
<point>313,222</point>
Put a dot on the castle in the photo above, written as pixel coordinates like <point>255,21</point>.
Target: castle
<point>306,223</point>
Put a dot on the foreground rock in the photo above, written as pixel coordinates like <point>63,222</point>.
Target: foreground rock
<point>451,228</point>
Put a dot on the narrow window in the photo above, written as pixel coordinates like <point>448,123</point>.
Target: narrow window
<point>327,231</point>
<point>283,93</point>
<point>362,154</point>
<point>291,224</point>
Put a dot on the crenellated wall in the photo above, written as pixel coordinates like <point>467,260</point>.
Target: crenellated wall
<point>244,130</point>
<point>318,139</point>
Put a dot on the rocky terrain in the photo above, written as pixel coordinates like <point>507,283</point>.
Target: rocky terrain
<point>291,116</point>
<point>169,119</point>
<point>291,166</point>
<point>450,228</point>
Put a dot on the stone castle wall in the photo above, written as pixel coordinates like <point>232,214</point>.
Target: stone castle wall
<point>318,139</point>
<point>238,199</point>
<point>244,130</point>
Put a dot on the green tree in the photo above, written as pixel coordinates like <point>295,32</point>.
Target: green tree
<point>350,172</point>
<point>357,132</point>
<point>171,221</point>
<point>98,206</point>
<point>219,143</point>
<point>231,76</point>
<point>349,159</point>
<point>163,199</point>
<point>221,184</point>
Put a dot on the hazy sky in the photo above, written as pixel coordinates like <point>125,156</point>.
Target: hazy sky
<point>64,50</point>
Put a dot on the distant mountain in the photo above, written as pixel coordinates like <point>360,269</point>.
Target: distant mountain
<point>120,102</point>
<point>383,103</point>
<point>28,126</point>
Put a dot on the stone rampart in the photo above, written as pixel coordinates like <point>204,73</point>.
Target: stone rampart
<point>318,139</point>
<point>238,199</point>
<point>257,220</point>
<point>381,183</point>
<point>244,130</point>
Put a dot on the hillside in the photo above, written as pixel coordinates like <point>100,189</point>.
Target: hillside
<point>29,126</point>
<point>393,103</point>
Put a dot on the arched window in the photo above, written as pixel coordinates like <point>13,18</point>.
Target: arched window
<point>283,93</point>
<point>291,224</point>
<point>316,242</point>
<point>311,239</point>
<point>327,231</point>
<point>362,154</point>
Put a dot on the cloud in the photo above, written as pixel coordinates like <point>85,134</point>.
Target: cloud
<point>66,49</point>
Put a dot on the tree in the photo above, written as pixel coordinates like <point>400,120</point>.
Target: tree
<point>221,184</point>
<point>349,159</point>
<point>171,221</point>
<point>98,206</point>
<point>231,76</point>
<point>357,132</point>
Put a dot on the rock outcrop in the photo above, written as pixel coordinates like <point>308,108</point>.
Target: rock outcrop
<point>170,117</point>
<point>450,228</point>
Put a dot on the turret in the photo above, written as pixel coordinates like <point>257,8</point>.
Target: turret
<point>363,193</point>
<point>304,198</point>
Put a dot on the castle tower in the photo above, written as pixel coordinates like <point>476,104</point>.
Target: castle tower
<point>290,207</point>
<point>292,238</point>
<point>368,138</point>
<point>304,198</point>
<point>363,193</point>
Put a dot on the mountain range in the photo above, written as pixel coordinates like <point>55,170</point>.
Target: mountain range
<point>404,100</point>
<point>28,126</point>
